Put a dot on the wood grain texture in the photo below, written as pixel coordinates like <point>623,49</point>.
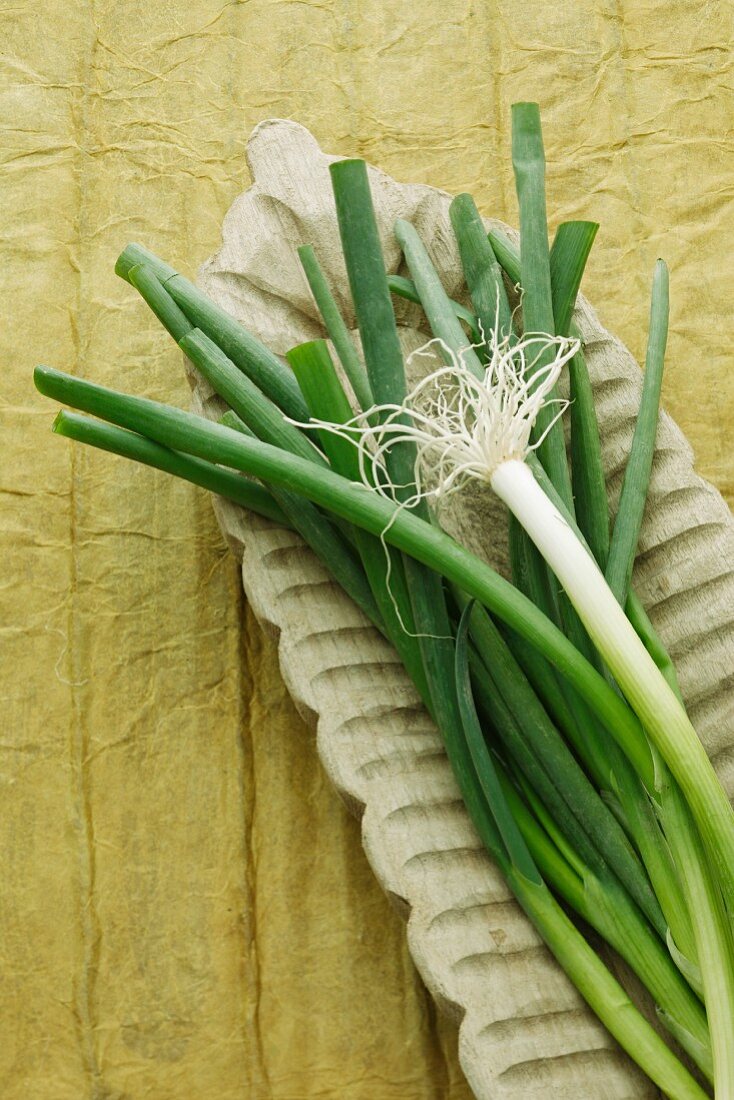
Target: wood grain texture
<point>524,1032</point>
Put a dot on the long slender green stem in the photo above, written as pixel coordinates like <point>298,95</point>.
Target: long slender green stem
<point>365,265</point>
<point>713,934</point>
<point>528,161</point>
<point>249,402</point>
<point>150,288</point>
<point>589,975</point>
<point>629,662</point>
<point>518,709</point>
<point>325,397</point>
<point>508,255</point>
<point>637,475</point>
<point>481,270</point>
<point>248,353</point>
<point>336,327</point>
<point>417,538</point>
<point>324,394</point>
<point>436,303</point>
<point>367,281</point>
<point>589,487</point>
<point>593,514</point>
<point>384,360</point>
<point>592,509</point>
<point>319,533</point>
<point>568,255</point>
<point>225,483</point>
<point>406,288</point>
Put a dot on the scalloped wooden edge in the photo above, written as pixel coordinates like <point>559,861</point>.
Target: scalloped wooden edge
<point>524,1031</point>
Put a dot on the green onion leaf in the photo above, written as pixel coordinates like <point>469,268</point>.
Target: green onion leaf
<point>225,483</point>
<point>515,846</point>
<point>249,402</point>
<point>568,255</point>
<point>436,303</point>
<point>481,270</point>
<point>399,527</point>
<point>336,327</point>
<point>528,160</point>
<point>248,353</point>
<point>406,288</point>
<point>639,466</point>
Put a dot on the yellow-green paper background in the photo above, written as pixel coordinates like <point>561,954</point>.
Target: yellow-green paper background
<point>186,912</point>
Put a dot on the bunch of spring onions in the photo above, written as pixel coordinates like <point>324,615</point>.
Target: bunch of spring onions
<point>557,702</point>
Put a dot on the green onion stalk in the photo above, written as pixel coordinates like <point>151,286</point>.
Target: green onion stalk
<point>471,429</point>
<point>217,444</point>
<point>484,435</point>
<point>212,443</point>
<point>550,281</point>
<point>592,517</point>
<point>358,488</point>
<point>682,879</point>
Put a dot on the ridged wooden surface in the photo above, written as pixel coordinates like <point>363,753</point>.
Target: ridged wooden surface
<point>525,1032</point>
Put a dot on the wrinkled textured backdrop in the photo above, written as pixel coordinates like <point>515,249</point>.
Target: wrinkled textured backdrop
<point>186,910</point>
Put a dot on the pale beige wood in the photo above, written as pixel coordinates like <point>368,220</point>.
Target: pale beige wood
<point>525,1033</point>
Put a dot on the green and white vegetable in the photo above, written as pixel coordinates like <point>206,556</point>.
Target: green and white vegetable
<point>558,704</point>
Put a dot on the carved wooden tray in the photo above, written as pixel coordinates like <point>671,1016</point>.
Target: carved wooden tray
<point>525,1032</point>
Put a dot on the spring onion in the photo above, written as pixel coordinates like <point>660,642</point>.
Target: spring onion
<point>557,702</point>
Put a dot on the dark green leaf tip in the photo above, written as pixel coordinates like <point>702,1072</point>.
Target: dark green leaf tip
<point>45,380</point>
